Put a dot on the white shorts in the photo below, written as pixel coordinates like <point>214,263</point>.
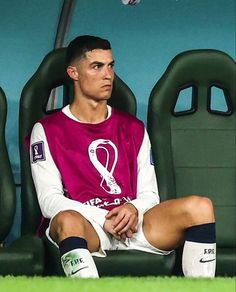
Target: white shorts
<point>107,242</point>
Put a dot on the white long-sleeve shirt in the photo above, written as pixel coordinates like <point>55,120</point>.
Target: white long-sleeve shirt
<point>50,190</point>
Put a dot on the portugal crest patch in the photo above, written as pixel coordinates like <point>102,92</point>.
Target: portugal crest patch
<point>38,153</point>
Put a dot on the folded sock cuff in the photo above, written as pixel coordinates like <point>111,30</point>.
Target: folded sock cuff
<point>204,233</point>
<point>71,243</point>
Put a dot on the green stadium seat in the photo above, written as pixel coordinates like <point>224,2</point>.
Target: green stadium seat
<point>7,190</point>
<point>192,127</point>
<point>35,95</point>
<point>25,255</point>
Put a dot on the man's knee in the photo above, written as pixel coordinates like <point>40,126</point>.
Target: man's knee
<point>200,209</point>
<point>67,223</point>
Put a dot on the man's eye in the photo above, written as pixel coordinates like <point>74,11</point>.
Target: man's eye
<point>111,66</point>
<point>97,66</point>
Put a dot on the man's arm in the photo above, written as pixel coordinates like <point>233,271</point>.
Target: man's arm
<point>147,190</point>
<point>47,180</point>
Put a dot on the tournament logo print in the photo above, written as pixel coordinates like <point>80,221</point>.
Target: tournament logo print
<point>72,263</point>
<point>106,170</point>
<point>38,153</point>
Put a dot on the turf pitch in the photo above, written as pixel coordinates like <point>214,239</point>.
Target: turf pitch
<point>116,284</point>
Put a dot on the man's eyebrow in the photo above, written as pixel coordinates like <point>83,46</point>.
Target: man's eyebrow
<point>96,63</point>
<point>101,63</point>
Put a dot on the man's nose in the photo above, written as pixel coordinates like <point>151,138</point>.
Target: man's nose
<point>108,73</point>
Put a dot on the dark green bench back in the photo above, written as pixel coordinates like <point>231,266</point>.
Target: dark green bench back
<point>195,149</point>
<point>7,186</point>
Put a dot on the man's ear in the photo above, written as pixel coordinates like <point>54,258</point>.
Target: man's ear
<point>72,72</point>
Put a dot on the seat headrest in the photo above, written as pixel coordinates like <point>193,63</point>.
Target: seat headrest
<point>200,70</point>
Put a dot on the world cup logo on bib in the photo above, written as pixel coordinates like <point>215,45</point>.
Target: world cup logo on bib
<point>106,169</point>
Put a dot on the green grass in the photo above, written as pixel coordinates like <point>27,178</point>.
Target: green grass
<point>130,284</point>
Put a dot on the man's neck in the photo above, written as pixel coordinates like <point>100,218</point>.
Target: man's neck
<point>89,112</point>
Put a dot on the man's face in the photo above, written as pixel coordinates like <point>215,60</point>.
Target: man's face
<point>96,74</point>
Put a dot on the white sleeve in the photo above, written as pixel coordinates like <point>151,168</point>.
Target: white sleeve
<point>147,190</point>
<point>48,183</point>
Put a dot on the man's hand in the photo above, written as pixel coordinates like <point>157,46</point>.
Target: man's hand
<point>109,227</point>
<point>124,221</point>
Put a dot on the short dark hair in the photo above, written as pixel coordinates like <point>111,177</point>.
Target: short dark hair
<point>78,47</point>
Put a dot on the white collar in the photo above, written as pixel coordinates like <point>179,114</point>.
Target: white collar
<point>66,110</point>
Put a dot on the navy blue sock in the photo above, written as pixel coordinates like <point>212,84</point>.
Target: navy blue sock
<point>71,243</point>
<point>204,233</point>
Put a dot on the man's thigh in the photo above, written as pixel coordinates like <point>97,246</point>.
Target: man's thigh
<point>163,225</point>
<point>97,230</point>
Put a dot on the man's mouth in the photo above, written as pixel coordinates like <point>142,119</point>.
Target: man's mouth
<point>107,86</point>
